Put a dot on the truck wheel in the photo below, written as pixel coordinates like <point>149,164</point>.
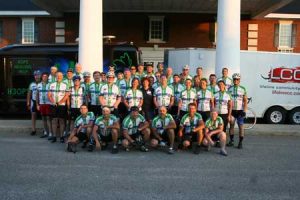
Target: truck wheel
<point>294,116</point>
<point>276,115</point>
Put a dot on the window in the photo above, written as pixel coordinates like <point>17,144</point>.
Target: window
<point>156,29</point>
<point>27,31</point>
<point>285,36</point>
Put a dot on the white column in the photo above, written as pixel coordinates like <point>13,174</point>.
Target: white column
<point>228,36</point>
<point>90,35</point>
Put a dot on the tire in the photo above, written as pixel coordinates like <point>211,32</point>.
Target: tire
<point>275,115</point>
<point>294,116</point>
<point>250,119</point>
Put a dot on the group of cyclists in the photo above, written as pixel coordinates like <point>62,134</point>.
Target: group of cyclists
<point>138,108</point>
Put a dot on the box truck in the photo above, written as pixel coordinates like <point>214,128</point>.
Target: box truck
<point>272,79</point>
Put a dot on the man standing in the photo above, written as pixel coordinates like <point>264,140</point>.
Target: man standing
<point>163,95</point>
<point>213,86</point>
<point>94,92</point>
<point>31,99</point>
<point>57,95</point>
<point>187,96</point>
<point>78,69</point>
<point>52,76</point>
<point>227,80</point>
<point>163,128</point>
<point>160,67</point>
<point>185,74</point>
<point>205,99</point>
<point>240,104</point>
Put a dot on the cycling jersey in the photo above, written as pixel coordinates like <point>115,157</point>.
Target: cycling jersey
<point>186,77</point>
<point>43,89</point>
<point>227,80</point>
<point>177,89</point>
<point>140,76</point>
<point>103,123</point>
<point>124,85</point>
<point>237,93</point>
<point>33,89</point>
<point>85,86</point>
<point>213,88</point>
<point>51,79</point>
<point>131,125</point>
<point>187,97</point>
<point>163,95</point>
<point>69,82</point>
<point>94,91</point>
<point>189,123</point>
<point>156,85</point>
<point>213,125</point>
<point>159,123</point>
<point>170,80</point>
<point>222,99</point>
<point>133,97</point>
<point>58,91</point>
<point>84,120</point>
<point>110,94</point>
<point>77,97</point>
<point>204,98</point>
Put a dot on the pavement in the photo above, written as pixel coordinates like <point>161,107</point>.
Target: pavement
<point>24,127</point>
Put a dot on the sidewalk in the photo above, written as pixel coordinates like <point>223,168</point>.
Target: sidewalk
<point>23,127</point>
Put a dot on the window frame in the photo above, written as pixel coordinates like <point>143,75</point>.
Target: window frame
<point>24,40</point>
<point>280,36</point>
<point>156,40</point>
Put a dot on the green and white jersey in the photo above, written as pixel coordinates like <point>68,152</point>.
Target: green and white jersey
<point>124,85</point>
<point>177,89</point>
<point>77,97</point>
<point>213,88</point>
<point>213,125</point>
<point>151,75</point>
<point>204,98</point>
<point>33,89</point>
<point>94,92</point>
<point>85,86</point>
<point>156,85</point>
<point>183,78</point>
<point>79,74</point>
<point>140,76</point>
<point>159,123</point>
<point>131,125</point>
<point>110,93</point>
<point>227,80</point>
<point>51,79</point>
<point>189,123</point>
<point>187,97</point>
<point>133,97</point>
<point>237,93</point>
<point>170,80</point>
<point>69,82</point>
<point>102,124</point>
<point>43,89</point>
<point>58,91</point>
<point>84,120</point>
<point>163,95</point>
<point>222,99</point>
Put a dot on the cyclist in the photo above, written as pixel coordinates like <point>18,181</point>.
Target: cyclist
<point>169,74</point>
<point>223,103</point>
<point>68,80</point>
<point>52,76</point>
<point>239,98</point>
<point>93,94</point>
<point>78,69</point>
<point>191,129</point>
<point>185,74</point>
<point>157,82</point>
<point>163,129</point>
<point>57,95</point>
<point>134,96</point>
<point>205,100</point>
<point>106,129</point>
<point>82,130</point>
<point>214,132</point>
<point>77,97</point>
<point>187,96</point>
<point>125,83</point>
<point>43,105</point>
<point>164,94</point>
<point>110,95</point>
<point>227,80</point>
<point>135,130</point>
<point>177,89</point>
<point>140,74</point>
<point>149,68</point>
<point>31,99</point>
<point>213,86</point>
<point>160,67</point>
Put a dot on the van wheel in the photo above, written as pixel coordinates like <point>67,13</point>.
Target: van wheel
<point>275,115</point>
<point>294,116</point>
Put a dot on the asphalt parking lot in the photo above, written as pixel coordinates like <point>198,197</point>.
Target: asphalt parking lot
<point>33,168</point>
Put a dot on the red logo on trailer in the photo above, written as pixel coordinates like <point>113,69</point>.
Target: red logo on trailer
<point>284,75</point>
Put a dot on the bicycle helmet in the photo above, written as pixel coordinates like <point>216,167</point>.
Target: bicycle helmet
<point>236,76</point>
<point>37,72</point>
<point>76,78</point>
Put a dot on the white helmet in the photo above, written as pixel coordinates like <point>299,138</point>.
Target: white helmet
<point>236,76</point>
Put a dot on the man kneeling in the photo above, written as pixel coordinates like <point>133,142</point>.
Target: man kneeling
<point>82,129</point>
<point>214,132</point>
<point>106,129</point>
<point>163,127</point>
<point>135,130</point>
